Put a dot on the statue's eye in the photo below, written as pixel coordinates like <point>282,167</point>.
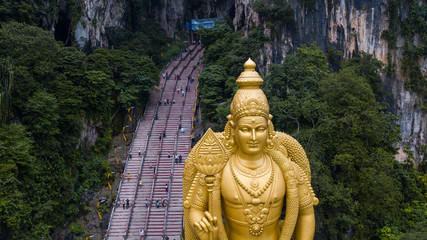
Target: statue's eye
<point>244,129</point>
<point>261,129</point>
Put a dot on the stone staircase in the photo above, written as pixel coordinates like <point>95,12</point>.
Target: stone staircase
<point>154,168</point>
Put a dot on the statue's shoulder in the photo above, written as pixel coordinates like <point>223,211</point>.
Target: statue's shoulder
<point>292,149</point>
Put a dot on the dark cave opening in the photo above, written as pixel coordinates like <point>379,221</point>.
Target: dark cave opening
<point>63,29</point>
<point>232,12</point>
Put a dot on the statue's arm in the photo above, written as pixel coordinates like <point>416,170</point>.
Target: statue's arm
<point>305,225</point>
<point>306,222</point>
<point>199,203</point>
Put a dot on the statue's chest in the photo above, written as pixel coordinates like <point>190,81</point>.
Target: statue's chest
<point>239,186</point>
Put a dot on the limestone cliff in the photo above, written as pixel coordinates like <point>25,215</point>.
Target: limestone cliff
<point>347,25</point>
<point>350,26</point>
<point>90,31</point>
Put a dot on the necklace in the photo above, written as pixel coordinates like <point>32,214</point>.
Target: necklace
<point>254,184</point>
<point>247,172</point>
<point>256,213</point>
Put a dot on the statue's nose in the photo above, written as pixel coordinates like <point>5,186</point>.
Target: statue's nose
<point>253,135</point>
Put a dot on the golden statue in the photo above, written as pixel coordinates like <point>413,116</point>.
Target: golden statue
<point>235,181</point>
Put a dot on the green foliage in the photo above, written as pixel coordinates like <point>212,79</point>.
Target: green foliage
<point>357,139</point>
<point>418,232</point>
<point>231,50</point>
<point>292,89</point>
<point>16,166</point>
<point>45,166</point>
<point>413,28</point>
<point>146,39</point>
<point>28,11</point>
<point>210,36</point>
<point>387,233</point>
<point>334,58</point>
<point>35,12</point>
<point>40,115</point>
<point>309,4</point>
<point>6,88</point>
<point>411,68</point>
<point>134,75</point>
<point>390,33</point>
<point>280,11</point>
<point>76,228</point>
<point>224,58</point>
<point>34,55</point>
<point>416,23</point>
<point>213,89</point>
<point>98,90</point>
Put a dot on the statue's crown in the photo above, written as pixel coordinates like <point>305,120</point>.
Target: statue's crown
<point>249,99</point>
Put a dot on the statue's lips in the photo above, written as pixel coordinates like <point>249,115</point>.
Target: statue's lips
<point>253,145</point>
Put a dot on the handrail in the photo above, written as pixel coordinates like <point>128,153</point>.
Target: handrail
<point>175,148</point>
<point>127,160</point>
<point>120,187</point>
<point>161,146</point>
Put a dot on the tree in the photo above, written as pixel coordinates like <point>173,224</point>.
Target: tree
<point>292,89</point>
<point>17,167</point>
<point>98,86</point>
<point>356,137</point>
<point>369,68</point>
<point>210,36</point>
<point>34,54</point>
<point>6,87</point>
<point>41,117</point>
<point>212,84</point>
<point>134,77</point>
<point>275,11</point>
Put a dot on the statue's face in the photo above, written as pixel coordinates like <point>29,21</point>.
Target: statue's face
<point>251,134</point>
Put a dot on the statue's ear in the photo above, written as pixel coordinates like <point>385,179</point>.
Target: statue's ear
<point>271,132</point>
<point>230,121</point>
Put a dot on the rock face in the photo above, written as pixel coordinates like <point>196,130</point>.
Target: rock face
<point>171,15</point>
<point>350,26</point>
<point>98,15</point>
<point>347,25</point>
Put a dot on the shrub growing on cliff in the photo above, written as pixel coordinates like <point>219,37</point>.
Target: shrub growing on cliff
<point>280,11</point>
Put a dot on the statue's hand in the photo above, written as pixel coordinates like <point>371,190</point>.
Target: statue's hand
<point>207,225</point>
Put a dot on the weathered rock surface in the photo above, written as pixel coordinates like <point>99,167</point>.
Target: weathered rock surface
<point>98,15</point>
<point>347,25</point>
<point>350,26</point>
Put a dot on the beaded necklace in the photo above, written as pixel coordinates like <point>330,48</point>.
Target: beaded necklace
<point>254,183</point>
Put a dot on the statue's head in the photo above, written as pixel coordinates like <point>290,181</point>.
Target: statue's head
<point>249,126</point>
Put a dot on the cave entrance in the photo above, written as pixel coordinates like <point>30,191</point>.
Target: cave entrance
<point>63,29</point>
